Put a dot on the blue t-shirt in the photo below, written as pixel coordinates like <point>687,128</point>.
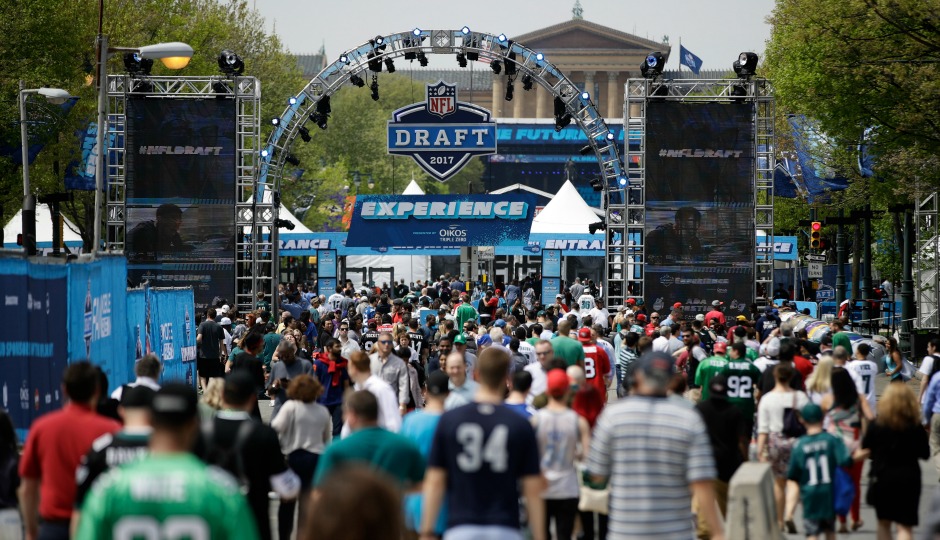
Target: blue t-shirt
<point>521,408</point>
<point>419,426</point>
<point>485,449</point>
<point>332,394</point>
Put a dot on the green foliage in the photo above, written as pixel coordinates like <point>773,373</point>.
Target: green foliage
<point>855,64</point>
<point>886,251</point>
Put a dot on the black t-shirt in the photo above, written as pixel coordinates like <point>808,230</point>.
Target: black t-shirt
<point>253,365</point>
<point>109,450</point>
<point>725,425</point>
<point>369,337</point>
<point>212,335</point>
<point>261,459</point>
<point>767,382</point>
<point>418,342</point>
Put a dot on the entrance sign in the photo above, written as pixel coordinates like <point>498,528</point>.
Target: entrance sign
<point>441,134</point>
<point>441,220</point>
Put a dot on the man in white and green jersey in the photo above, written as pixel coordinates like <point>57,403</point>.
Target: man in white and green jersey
<point>742,375</point>
<point>170,493</point>
<point>711,366</point>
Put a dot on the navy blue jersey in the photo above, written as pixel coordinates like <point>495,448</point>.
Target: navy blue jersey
<point>485,450</point>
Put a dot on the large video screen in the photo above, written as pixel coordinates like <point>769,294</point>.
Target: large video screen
<point>180,176</point>
<point>699,206</point>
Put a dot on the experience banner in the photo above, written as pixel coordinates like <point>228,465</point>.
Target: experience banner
<point>700,233</point>
<point>180,177</point>
<point>441,220</point>
<point>174,333</point>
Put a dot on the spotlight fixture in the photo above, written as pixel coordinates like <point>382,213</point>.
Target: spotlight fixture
<point>510,63</point>
<point>230,63</point>
<point>292,159</point>
<point>501,38</point>
<point>586,149</point>
<point>292,100</point>
<point>509,90</point>
<point>389,65</point>
<point>375,88</point>
<point>585,96</point>
<point>422,59</point>
<point>357,80</point>
<point>221,89</point>
<point>304,133</point>
<point>461,60</point>
<point>622,180</point>
<point>323,106</point>
<point>597,185</point>
<point>496,66</point>
<point>599,226</point>
<point>561,122</point>
<point>472,42</point>
<point>738,92</point>
<point>375,64</point>
<point>344,59</point>
<point>136,64</point>
<point>465,30</point>
<point>745,65</point>
<point>653,66</point>
<point>410,55</point>
<point>610,136</point>
<point>527,82</point>
<point>378,43</point>
<point>265,153</point>
<point>275,121</point>
<point>539,57</point>
<point>141,86</point>
<point>321,116</point>
<point>319,119</point>
<point>416,32</point>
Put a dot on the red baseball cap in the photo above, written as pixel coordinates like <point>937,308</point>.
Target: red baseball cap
<point>584,334</point>
<point>720,347</point>
<point>640,317</point>
<point>557,383</point>
<point>677,305</point>
<point>631,301</point>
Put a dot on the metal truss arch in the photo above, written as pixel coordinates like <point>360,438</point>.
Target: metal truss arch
<point>482,46</point>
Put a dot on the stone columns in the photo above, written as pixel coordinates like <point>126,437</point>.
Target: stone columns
<point>614,99</point>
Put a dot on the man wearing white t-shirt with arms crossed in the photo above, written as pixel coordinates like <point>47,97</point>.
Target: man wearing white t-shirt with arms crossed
<point>866,370</point>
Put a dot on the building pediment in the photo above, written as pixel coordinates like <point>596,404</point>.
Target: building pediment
<point>578,34</point>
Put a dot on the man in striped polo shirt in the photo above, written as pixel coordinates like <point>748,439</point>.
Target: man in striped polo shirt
<point>653,451</point>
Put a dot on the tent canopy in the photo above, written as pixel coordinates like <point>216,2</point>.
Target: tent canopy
<point>565,213</point>
<point>43,229</point>
<point>413,189</point>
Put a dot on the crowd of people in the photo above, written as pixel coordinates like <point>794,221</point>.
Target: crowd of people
<point>430,411</point>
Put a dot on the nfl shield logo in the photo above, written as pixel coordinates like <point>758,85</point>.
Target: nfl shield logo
<point>442,99</point>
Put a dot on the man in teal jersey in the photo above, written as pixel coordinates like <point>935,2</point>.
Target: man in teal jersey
<point>742,376</point>
<point>170,493</point>
<point>711,366</point>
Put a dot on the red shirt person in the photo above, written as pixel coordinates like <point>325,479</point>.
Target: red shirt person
<point>55,446</point>
<point>596,362</point>
<point>715,313</point>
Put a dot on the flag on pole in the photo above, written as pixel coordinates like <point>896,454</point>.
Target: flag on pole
<point>689,60</point>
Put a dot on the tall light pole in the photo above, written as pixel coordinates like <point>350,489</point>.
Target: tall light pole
<point>56,96</point>
<point>175,55</point>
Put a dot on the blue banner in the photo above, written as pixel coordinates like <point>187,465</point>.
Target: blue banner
<point>173,333</point>
<point>441,220</point>
<point>784,247</point>
<point>138,341</point>
<point>326,263</point>
<point>551,263</point>
<point>550,288</point>
<point>689,60</point>
<point>33,346</point>
<point>96,315</point>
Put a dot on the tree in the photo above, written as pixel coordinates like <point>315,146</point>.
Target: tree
<point>858,64</point>
<point>53,44</point>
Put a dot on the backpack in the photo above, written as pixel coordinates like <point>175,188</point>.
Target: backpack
<point>229,458</point>
<point>706,341</point>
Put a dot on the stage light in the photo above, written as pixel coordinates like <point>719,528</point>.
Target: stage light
<point>461,60</point>
<point>539,57</point>
<point>597,185</point>
<point>323,106</point>
<point>738,91</point>
<point>135,64</point>
<point>465,30</point>
<point>141,86</point>
<point>411,55</point>
<point>304,133</point>
<point>422,59</point>
<point>416,32</point>
<point>292,100</point>
<point>320,120</point>
<point>527,82</point>
<point>509,90</point>
<point>653,66</point>
<point>357,80</point>
<point>745,65</point>
<point>585,96</point>
<point>496,66</point>
<point>501,38</point>
<point>378,43</point>
<point>375,88</point>
<point>344,59</point>
<point>599,226</point>
<point>275,121</point>
<point>610,136</point>
<point>587,149</point>
<point>562,122</point>
<point>265,153</point>
<point>510,63</point>
<point>220,88</point>
<point>230,63</point>
<point>375,64</point>
<point>389,65</point>
<point>292,159</point>
<point>622,180</point>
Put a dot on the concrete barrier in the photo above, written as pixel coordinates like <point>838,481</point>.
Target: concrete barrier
<point>751,510</point>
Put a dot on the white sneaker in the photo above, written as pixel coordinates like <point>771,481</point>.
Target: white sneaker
<point>272,402</point>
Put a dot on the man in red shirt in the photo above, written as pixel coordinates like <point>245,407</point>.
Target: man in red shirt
<point>55,446</point>
<point>715,313</point>
<point>596,362</point>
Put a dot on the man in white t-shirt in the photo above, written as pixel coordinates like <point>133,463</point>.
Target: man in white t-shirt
<point>600,314</point>
<point>926,365</point>
<point>539,370</point>
<point>866,370</point>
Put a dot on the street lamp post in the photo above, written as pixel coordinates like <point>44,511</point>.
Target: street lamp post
<point>55,96</point>
<point>175,55</point>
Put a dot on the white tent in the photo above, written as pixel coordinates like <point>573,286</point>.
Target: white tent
<point>299,228</point>
<point>43,229</point>
<point>566,213</point>
<point>413,189</point>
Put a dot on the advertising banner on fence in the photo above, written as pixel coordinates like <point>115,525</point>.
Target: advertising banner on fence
<point>700,233</point>
<point>180,176</point>
<point>174,333</point>
<point>33,346</point>
<point>441,220</point>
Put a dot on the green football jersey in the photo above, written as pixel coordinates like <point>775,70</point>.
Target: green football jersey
<point>707,369</point>
<point>742,376</point>
<point>166,496</point>
<point>813,464</point>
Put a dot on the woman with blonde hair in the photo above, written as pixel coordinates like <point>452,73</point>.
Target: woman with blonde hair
<point>304,428</point>
<point>212,398</point>
<point>819,383</point>
<point>895,441</point>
